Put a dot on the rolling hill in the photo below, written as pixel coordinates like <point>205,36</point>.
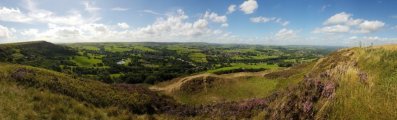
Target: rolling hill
<point>36,53</point>
<point>353,83</point>
<point>29,92</point>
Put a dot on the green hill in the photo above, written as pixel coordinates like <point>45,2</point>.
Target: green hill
<point>28,92</point>
<point>36,53</point>
<point>355,83</point>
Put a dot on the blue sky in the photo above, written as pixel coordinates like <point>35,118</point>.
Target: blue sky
<point>269,22</point>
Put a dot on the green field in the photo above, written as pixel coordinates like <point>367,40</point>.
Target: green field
<point>180,49</point>
<point>143,48</point>
<point>198,57</point>
<point>115,48</point>
<point>94,48</point>
<point>85,61</point>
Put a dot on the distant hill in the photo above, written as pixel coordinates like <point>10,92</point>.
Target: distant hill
<point>36,53</point>
<point>38,48</point>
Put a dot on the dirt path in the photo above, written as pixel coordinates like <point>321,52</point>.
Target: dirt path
<point>173,85</point>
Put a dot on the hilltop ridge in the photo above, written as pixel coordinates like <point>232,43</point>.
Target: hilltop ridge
<point>36,53</point>
<point>353,83</point>
<point>96,96</point>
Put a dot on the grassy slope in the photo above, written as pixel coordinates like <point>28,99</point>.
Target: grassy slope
<point>368,90</point>
<point>41,93</point>
<point>27,103</point>
<point>355,83</point>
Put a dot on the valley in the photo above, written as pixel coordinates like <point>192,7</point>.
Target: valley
<point>155,62</point>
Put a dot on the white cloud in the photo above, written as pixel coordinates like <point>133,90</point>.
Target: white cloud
<point>215,17</point>
<point>176,27</point>
<point>90,7</point>
<point>92,32</point>
<point>339,18</point>
<point>261,19</point>
<point>370,40</point>
<point>249,6</point>
<point>119,9</point>
<point>74,27</point>
<point>30,32</point>
<point>36,15</point>
<point>286,34</point>
<point>365,38</point>
<point>201,23</point>
<point>151,12</point>
<point>282,22</point>
<point>74,18</point>
<point>6,32</point>
<point>123,25</point>
<point>231,9</point>
<point>173,27</point>
<point>13,15</point>
<point>370,26</point>
<point>333,29</point>
<point>344,23</point>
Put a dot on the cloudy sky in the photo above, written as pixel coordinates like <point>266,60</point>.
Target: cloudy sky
<point>270,22</point>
